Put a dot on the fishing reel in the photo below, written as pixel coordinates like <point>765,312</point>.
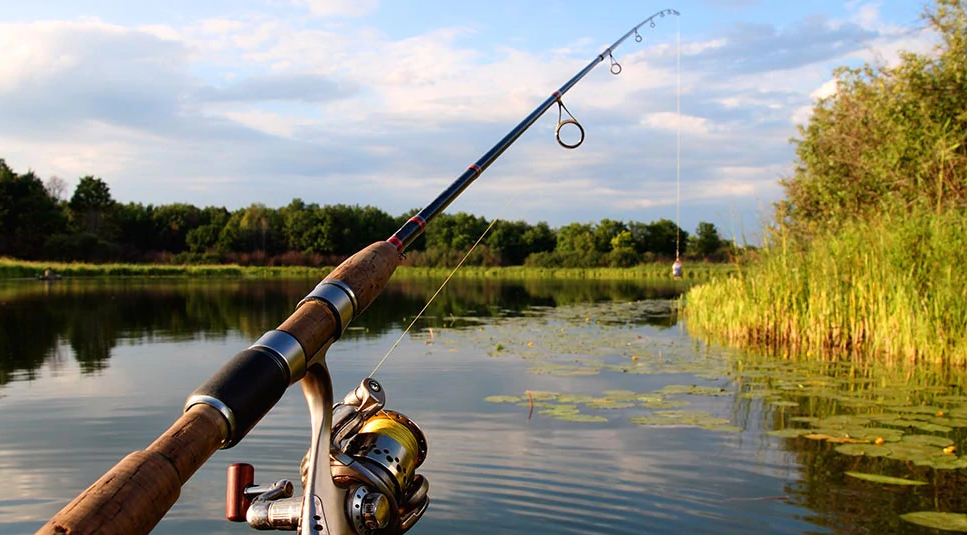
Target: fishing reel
<point>359,475</point>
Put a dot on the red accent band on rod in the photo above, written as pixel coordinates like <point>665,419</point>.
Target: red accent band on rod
<point>419,221</point>
<point>398,243</point>
<point>476,168</point>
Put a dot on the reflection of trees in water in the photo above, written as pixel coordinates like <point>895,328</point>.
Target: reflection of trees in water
<point>92,316</point>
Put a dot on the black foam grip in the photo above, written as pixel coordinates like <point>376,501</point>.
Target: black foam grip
<point>250,385</point>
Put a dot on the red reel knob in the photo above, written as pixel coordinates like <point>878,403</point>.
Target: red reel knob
<point>240,477</point>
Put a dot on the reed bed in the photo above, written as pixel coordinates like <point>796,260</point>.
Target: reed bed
<point>894,290</point>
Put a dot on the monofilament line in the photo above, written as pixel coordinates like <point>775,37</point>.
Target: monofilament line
<point>678,141</point>
<point>442,286</point>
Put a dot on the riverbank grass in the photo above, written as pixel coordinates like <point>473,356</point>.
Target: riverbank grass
<point>894,289</point>
<point>21,269</point>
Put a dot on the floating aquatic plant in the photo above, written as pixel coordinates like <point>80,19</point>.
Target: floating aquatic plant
<point>935,520</point>
<point>886,480</point>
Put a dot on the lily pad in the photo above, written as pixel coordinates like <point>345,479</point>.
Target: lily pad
<point>666,404</point>
<point>574,398</point>
<point>886,480</point>
<point>622,395</point>
<point>503,399</point>
<point>935,520</point>
<point>928,440</point>
<point>864,450</point>
<point>790,433</point>
<point>609,404</point>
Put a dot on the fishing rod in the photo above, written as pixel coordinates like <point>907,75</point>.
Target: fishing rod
<point>359,475</point>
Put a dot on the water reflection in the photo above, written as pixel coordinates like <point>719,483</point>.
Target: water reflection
<point>92,316</point>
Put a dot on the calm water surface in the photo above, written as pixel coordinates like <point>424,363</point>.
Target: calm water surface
<point>90,371</point>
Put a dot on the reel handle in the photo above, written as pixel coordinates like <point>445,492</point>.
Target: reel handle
<point>240,477</point>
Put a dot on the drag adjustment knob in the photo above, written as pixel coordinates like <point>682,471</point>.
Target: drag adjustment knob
<point>375,511</point>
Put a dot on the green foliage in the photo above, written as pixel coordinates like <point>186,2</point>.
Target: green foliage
<point>708,243</point>
<point>890,140</point>
<point>28,214</point>
<point>92,208</point>
<point>303,233</point>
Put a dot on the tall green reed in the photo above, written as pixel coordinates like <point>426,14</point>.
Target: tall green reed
<point>894,289</point>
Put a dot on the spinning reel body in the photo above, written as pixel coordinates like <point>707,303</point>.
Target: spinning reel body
<point>359,475</point>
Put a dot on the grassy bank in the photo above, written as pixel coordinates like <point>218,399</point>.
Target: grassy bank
<point>894,289</point>
<point>656,271</point>
<point>15,269</point>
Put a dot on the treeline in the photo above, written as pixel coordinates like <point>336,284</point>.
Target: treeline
<point>38,222</point>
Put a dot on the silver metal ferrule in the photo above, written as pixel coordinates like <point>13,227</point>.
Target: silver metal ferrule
<point>340,298</point>
<point>217,404</point>
<point>284,346</point>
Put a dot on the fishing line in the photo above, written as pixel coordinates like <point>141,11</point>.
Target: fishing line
<point>443,285</point>
<point>678,141</point>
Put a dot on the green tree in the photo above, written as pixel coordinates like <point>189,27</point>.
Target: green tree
<point>604,232</point>
<point>663,238</point>
<point>707,240</point>
<point>28,214</point>
<point>540,238</point>
<point>172,224</point>
<point>458,231</point>
<point>891,139</point>
<point>135,222</point>
<point>204,237</point>
<point>575,246</point>
<point>92,208</point>
<point>507,239</point>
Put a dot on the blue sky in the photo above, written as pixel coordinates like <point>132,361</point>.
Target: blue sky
<point>386,102</point>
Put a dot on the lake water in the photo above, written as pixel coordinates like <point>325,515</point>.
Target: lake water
<point>637,428</point>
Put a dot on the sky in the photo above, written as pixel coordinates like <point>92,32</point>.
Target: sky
<point>385,102</point>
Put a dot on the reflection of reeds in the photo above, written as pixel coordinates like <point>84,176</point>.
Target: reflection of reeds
<point>895,290</point>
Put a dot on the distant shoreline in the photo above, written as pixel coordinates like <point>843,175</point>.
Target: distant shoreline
<point>11,269</point>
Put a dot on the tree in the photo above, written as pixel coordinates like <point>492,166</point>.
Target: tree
<point>604,232</point>
<point>205,236</point>
<point>540,238</point>
<point>575,246</point>
<point>507,240</point>
<point>663,238</point>
<point>28,214</point>
<point>458,231</point>
<point>707,240</point>
<point>136,227</point>
<point>92,208</point>
<point>56,187</point>
<point>890,140</point>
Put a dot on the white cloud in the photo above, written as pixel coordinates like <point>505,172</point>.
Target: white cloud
<point>344,8</point>
<point>690,125</point>
<point>269,108</point>
<point>828,89</point>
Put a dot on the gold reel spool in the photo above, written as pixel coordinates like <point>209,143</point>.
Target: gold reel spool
<point>394,442</point>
